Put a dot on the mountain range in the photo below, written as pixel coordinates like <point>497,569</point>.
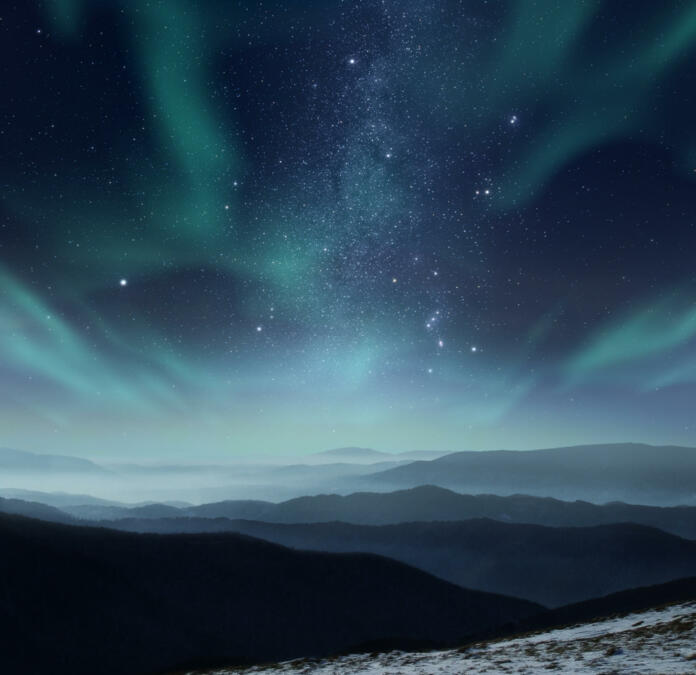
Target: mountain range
<point>355,455</point>
<point>630,472</point>
<point>550,565</point>
<point>633,473</point>
<point>21,461</point>
<point>424,503</point>
<point>429,551</point>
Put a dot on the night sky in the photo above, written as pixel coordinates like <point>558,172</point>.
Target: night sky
<point>274,227</point>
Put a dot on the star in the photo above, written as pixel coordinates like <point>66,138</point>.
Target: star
<point>474,349</point>
<point>513,120</point>
<point>440,343</point>
<point>351,61</point>
<point>123,282</point>
<point>259,329</point>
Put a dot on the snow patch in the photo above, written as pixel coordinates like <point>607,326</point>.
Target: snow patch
<point>657,641</point>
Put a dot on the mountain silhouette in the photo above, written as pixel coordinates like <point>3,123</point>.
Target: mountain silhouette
<point>425,503</point>
<point>21,462</point>
<point>550,565</point>
<point>628,472</point>
<point>83,600</point>
<point>623,602</point>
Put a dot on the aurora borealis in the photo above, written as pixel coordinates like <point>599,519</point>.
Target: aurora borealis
<point>271,227</point>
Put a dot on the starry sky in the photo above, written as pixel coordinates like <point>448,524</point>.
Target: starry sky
<point>277,227</point>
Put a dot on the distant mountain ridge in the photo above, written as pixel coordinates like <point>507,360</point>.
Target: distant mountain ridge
<point>56,499</point>
<point>22,461</point>
<point>368,455</point>
<point>34,510</point>
<point>360,453</point>
<point>420,504</point>
<point>630,472</point>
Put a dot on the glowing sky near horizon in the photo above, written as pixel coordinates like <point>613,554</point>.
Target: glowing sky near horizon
<point>229,228</point>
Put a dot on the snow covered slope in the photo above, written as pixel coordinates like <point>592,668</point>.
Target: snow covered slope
<point>655,641</point>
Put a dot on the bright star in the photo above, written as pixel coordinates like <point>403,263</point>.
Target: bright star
<point>123,282</point>
<point>474,349</point>
<point>259,329</point>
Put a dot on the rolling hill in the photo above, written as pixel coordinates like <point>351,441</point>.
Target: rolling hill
<point>651,642</point>
<point>34,510</point>
<point>550,565</point>
<point>82,601</point>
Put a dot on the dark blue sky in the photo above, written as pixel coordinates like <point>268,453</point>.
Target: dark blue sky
<point>272,227</point>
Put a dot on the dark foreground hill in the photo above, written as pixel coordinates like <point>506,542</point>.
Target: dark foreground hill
<point>629,472</point>
<point>622,638</point>
<point>549,565</point>
<point>92,601</point>
<point>623,602</point>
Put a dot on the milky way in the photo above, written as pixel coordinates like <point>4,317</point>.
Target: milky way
<point>271,227</point>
